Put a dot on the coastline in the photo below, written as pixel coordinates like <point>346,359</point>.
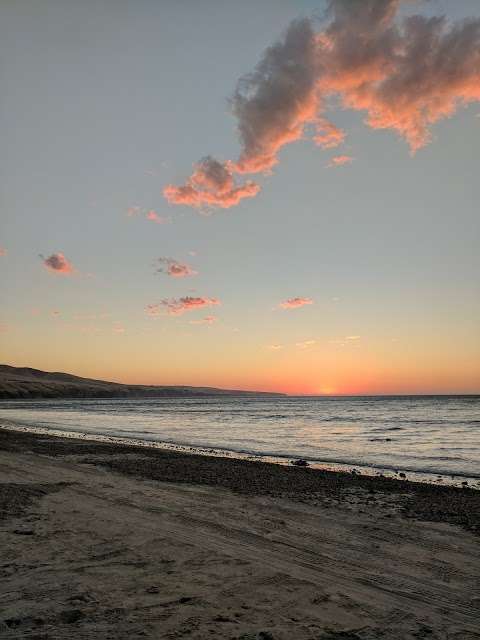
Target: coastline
<point>430,477</point>
<point>249,475</point>
<point>113,540</point>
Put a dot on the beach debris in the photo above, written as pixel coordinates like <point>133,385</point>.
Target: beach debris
<point>402,475</point>
<point>299,463</point>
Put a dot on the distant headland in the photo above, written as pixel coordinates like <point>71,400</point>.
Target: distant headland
<point>25,382</point>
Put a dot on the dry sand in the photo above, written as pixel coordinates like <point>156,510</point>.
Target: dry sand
<point>91,550</point>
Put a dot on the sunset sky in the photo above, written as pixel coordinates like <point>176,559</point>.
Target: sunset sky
<point>311,228</point>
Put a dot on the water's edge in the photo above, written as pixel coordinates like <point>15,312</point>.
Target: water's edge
<point>185,447</point>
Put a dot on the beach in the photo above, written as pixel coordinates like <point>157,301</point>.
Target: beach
<point>102,540</point>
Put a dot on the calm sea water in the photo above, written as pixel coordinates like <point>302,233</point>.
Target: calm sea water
<point>429,435</point>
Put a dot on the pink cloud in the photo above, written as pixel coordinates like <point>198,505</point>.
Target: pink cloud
<point>328,135</point>
<point>154,217</point>
<point>118,327</point>
<point>211,185</point>
<point>339,161</point>
<point>295,303</point>
<point>3,251</point>
<point>58,263</point>
<point>176,269</point>
<point>178,306</point>
<point>404,74</point>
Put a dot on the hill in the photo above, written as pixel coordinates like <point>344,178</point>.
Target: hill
<point>24,382</point>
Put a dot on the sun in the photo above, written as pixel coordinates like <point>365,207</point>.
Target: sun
<point>327,390</point>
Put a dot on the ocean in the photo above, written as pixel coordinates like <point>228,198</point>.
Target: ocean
<point>433,438</point>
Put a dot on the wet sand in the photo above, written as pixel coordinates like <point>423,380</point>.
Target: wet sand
<point>109,541</point>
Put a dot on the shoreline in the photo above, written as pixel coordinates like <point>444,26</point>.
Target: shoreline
<point>421,500</point>
<point>103,540</point>
<point>431,477</point>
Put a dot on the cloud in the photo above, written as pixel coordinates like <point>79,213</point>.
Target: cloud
<point>178,306</point>
<point>175,269</point>
<point>150,214</point>
<point>154,217</point>
<point>133,211</point>
<point>294,303</point>
<point>328,136</point>
<point>404,73</point>
<point>305,344</point>
<point>3,251</point>
<point>207,320</point>
<point>211,185</point>
<point>58,263</point>
<point>118,327</point>
<point>275,347</point>
<point>273,104</point>
<point>339,161</point>
<point>153,310</point>
<point>55,313</point>
<point>342,342</point>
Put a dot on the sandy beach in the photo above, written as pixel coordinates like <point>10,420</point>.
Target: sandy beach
<point>106,541</point>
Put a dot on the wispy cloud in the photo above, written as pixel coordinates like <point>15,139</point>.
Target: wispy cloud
<point>118,327</point>
<point>295,303</point>
<point>58,263</point>
<point>3,251</point>
<point>150,214</point>
<point>366,58</point>
<point>339,161</point>
<point>275,347</point>
<point>345,341</point>
<point>175,269</point>
<point>178,306</point>
<point>305,344</point>
<point>154,217</point>
<point>207,320</point>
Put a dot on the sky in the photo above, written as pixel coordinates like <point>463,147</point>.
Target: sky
<point>278,195</point>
